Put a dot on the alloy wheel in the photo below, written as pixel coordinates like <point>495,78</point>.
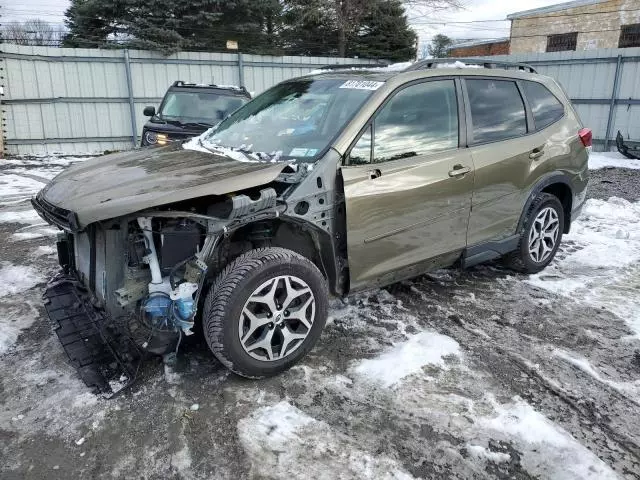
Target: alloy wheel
<point>543,235</point>
<point>277,318</point>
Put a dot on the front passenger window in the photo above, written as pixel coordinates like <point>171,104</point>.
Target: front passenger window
<point>418,120</point>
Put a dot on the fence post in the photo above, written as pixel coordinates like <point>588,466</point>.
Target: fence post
<point>132,106</point>
<point>612,103</point>
<point>240,69</point>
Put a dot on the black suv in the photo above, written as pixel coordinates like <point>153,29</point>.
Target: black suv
<point>188,109</point>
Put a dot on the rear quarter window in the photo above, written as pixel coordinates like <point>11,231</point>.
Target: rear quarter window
<point>497,110</point>
<point>546,108</point>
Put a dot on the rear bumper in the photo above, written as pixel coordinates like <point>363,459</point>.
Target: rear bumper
<point>97,347</point>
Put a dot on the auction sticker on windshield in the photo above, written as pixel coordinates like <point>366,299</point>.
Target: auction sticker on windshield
<point>362,84</point>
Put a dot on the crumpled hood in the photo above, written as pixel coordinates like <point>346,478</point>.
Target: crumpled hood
<point>123,183</point>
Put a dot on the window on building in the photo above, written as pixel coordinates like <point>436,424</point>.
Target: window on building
<point>562,42</point>
<point>546,108</point>
<point>629,36</point>
<point>497,110</point>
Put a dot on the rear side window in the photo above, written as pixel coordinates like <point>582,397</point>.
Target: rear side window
<point>497,110</point>
<point>546,108</point>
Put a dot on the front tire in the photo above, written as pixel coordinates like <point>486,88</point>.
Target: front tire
<point>265,311</point>
<point>540,237</point>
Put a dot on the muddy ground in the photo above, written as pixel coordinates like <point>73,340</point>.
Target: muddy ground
<point>457,374</point>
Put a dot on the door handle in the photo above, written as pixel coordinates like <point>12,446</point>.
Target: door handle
<point>374,173</point>
<point>459,170</point>
<point>536,153</point>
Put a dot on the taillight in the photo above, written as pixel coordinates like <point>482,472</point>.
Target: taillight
<point>586,137</point>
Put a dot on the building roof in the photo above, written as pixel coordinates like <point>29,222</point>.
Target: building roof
<point>478,42</point>
<point>552,8</point>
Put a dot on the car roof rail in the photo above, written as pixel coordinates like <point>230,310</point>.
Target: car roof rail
<point>348,66</point>
<point>182,83</point>
<point>482,62</point>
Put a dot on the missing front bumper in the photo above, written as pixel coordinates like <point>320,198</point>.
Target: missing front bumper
<point>102,352</point>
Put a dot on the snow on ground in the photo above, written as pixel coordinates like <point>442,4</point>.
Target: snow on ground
<point>45,160</point>
<point>602,262</point>
<point>599,160</point>
<point>425,348</point>
<point>629,389</point>
<point>548,450</point>
<point>16,279</point>
<point>283,442</point>
<point>14,318</point>
<point>14,187</point>
<point>20,216</point>
<point>33,226</point>
<point>16,314</point>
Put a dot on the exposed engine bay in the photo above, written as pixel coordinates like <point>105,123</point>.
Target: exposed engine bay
<point>146,274</point>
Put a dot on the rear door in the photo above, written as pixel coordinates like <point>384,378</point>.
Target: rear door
<point>408,184</point>
<point>503,153</point>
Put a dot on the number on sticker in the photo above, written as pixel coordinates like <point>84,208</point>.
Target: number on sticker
<point>362,84</point>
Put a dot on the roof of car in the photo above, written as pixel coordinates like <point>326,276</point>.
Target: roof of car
<point>431,67</point>
<point>233,89</point>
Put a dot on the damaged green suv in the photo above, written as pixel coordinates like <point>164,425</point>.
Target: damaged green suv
<point>322,185</point>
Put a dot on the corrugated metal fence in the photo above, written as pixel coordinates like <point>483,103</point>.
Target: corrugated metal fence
<point>62,100</point>
<point>86,100</point>
<point>604,86</point>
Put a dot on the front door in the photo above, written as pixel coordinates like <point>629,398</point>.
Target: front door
<point>407,185</point>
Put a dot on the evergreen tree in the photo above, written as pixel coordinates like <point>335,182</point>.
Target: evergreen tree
<point>384,33</point>
<point>92,22</point>
<point>309,28</point>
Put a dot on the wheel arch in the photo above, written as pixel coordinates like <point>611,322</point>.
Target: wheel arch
<point>301,237</point>
<point>557,184</point>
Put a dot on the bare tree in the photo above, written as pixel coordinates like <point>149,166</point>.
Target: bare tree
<point>31,32</point>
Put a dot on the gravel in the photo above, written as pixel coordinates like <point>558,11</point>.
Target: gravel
<point>614,182</point>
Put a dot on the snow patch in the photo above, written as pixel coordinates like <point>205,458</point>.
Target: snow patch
<point>16,279</point>
<point>12,185</point>
<point>425,348</point>
<point>630,390</point>
<point>548,450</point>
<point>602,262</point>
<point>598,160</point>
<point>85,399</point>
<point>28,217</point>
<point>181,460</point>
<point>481,453</point>
<point>44,250</point>
<point>283,442</point>
<point>456,64</point>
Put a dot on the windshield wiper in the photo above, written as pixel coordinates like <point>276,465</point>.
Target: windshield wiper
<point>199,124</point>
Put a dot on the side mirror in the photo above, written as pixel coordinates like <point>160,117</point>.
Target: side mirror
<point>149,111</point>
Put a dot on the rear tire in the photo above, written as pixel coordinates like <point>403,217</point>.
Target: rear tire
<point>540,236</point>
<point>265,311</point>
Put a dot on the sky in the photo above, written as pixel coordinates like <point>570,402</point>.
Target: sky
<point>427,24</point>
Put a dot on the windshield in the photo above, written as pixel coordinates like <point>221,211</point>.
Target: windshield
<point>293,120</point>
<point>198,107</point>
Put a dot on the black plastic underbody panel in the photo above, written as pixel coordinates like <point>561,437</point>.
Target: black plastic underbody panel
<point>97,347</point>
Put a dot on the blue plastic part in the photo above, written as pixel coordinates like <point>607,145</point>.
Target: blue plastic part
<point>158,307</point>
<point>184,308</point>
